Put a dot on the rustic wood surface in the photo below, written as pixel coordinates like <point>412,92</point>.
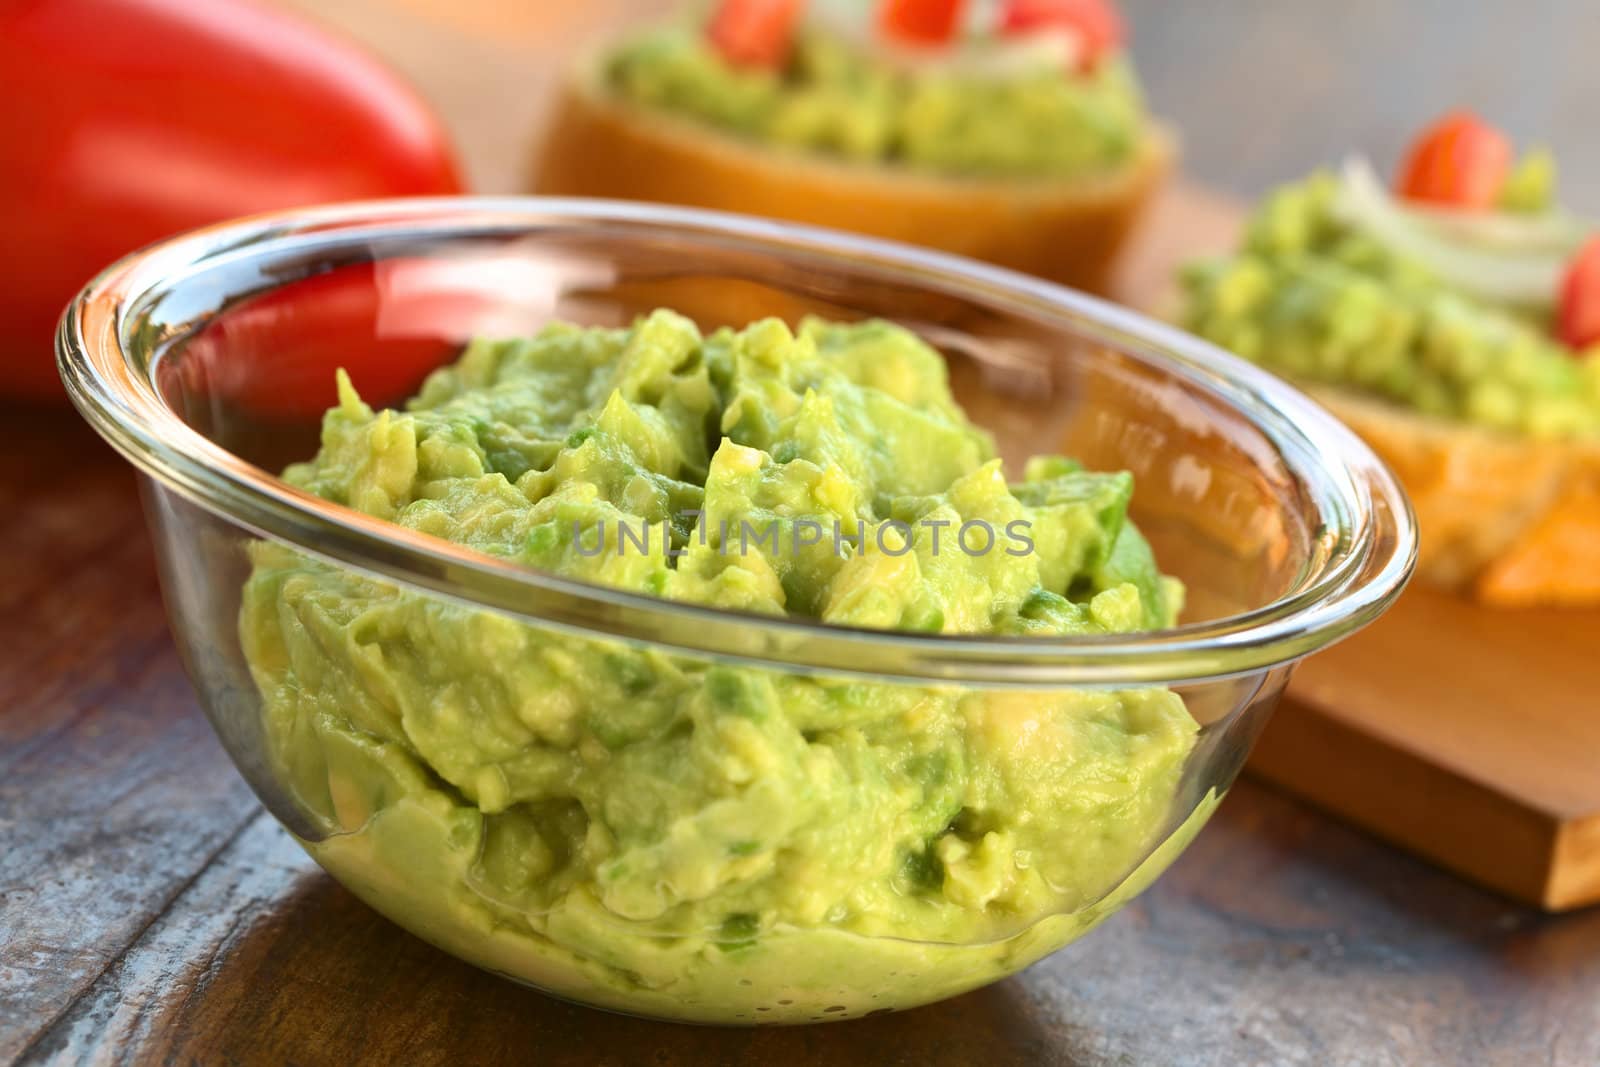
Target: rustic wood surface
<point>150,912</point>
<point>1467,734</point>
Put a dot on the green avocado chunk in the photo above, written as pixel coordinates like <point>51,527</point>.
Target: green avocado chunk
<point>841,101</point>
<point>657,833</point>
<point>1314,297</point>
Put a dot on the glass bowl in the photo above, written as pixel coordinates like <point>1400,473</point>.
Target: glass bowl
<point>674,810</point>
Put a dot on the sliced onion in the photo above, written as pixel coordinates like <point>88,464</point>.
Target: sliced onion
<point>1552,231</point>
<point>976,52</point>
<point>1495,256</point>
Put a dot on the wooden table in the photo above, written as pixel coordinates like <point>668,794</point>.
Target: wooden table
<point>149,911</point>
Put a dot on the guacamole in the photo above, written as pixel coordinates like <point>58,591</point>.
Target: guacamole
<point>1034,118</point>
<point>1325,291</point>
<point>655,833</point>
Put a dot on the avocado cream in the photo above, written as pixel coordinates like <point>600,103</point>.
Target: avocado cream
<point>654,833</point>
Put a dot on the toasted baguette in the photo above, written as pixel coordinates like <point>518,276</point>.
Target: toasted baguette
<point>1067,231</point>
<point>1513,521</point>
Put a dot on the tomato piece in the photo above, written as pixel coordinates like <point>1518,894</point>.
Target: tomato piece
<point>130,120</point>
<point>1458,162</point>
<point>1096,23</point>
<point>386,323</point>
<point>754,33</point>
<point>921,22</point>
<point>1578,320</point>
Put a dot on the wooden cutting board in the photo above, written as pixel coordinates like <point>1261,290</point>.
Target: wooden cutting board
<point>1469,736</point>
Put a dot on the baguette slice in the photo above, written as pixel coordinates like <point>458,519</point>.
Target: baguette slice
<point>1067,231</point>
<point>1513,521</point>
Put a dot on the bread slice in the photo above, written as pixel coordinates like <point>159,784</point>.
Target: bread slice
<point>1067,231</point>
<point>1511,520</point>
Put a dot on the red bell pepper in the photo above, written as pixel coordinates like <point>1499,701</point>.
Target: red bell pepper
<point>128,120</point>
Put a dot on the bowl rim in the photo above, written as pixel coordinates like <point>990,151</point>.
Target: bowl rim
<point>1370,543</point>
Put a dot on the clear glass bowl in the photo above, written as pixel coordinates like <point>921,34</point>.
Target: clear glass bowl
<point>544,777</point>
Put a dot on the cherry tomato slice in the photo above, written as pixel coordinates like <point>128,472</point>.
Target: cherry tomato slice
<point>921,22</point>
<point>754,33</point>
<point>1096,22</point>
<point>1458,162</point>
<point>1578,321</point>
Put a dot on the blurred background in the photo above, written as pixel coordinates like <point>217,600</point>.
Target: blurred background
<point>1263,89</point>
<point>154,903</point>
